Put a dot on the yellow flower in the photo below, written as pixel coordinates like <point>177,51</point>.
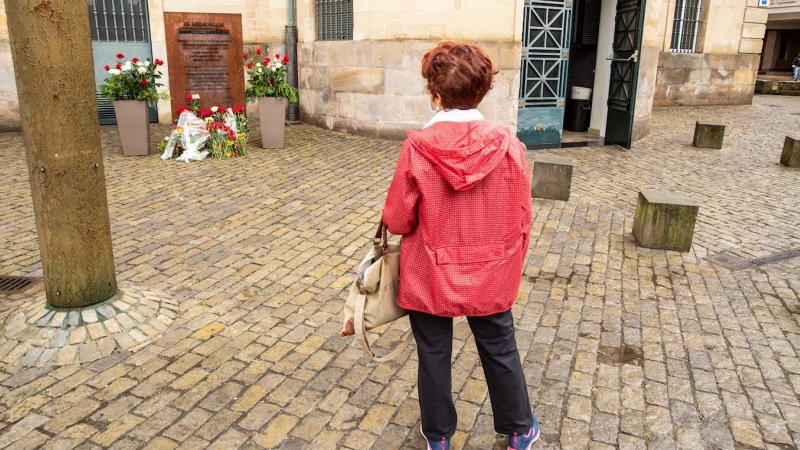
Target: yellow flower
<point>228,154</point>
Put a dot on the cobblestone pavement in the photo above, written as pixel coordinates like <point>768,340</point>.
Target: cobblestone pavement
<point>623,347</point>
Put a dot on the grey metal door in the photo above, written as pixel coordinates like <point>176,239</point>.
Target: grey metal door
<point>624,72</point>
<point>118,26</point>
<point>546,33</point>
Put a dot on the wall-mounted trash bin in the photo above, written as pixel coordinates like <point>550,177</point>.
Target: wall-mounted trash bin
<point>577,114</point>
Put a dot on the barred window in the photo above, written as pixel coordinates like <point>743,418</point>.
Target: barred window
<point>334,20</point>
<point>686,26</point>
<point>118,20</point>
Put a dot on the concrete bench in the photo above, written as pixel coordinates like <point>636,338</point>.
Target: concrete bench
<point>664,220</point>
<point>788,88</point>
<point>552,177</point>
<point>708,135</point>
<point>764,86</point>
<point>791,152</point>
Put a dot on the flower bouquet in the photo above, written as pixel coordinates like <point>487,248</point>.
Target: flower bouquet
<point>131,86</point>
<point>220,132</point>
<point>267,83</point>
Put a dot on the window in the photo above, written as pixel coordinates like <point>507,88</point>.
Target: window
<point>686,26</point>
<point>118,20</point>
<point>334,20</point>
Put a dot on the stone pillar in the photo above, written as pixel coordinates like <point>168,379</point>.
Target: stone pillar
<point>708,135</point>
<point>790,157</point>
<point>52,52</point>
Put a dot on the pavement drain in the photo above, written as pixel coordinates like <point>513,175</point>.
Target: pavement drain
<point>734,263</point>
<point>624,354</point>
<point>10,285</point>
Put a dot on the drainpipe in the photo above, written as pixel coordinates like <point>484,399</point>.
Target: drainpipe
<point>291,49</point>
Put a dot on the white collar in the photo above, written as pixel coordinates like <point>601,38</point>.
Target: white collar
<point>455,115</point>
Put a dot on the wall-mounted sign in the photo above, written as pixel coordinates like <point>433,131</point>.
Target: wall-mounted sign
<point>204,56</point>
<point>763,3</point>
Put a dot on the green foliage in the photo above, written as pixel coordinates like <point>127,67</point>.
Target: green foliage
<point>267,77</point>
<point>133,80</point>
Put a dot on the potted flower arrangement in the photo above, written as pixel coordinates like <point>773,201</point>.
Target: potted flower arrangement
<point>221,132</point>
<point>132,85</point>
<point>267,79</point>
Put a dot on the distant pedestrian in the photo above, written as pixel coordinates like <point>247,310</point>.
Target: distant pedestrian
<point>796,66</point>
<point>461,198</point>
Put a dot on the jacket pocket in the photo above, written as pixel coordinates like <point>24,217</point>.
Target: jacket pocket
<point>470,254</point>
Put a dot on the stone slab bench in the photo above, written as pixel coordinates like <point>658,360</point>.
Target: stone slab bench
<point>708,135</point>
<point>764,86</point>
<point>664,220</point>
<point>790,157</point>
<point>788,88</point>
<point>552,177</point>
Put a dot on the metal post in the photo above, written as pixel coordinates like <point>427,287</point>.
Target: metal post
<point>291,49</point>
<point>62,142</point>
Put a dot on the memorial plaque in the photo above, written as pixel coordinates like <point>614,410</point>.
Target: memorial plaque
<point>204,55</point>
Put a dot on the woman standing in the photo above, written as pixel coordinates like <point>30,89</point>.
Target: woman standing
<point>460,197</point>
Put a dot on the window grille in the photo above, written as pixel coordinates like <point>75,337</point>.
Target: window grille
<point>686,26</point>
<point>334,20</point>
<point>118,20</point>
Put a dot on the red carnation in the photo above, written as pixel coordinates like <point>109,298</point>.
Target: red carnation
<point>119,66</point>
<point>266,61</point>
<point>120,56</point>
<point>249,64</point>
<point>277,56</point>
<point>135,60</point>
<point>106,67</point>
<point>258,51</point>
<point>285,59</point>
<point>245,56</point>
<point>183,108</point>
<point>189,97</point>
<point>145,82</point>
<point>159,62</point>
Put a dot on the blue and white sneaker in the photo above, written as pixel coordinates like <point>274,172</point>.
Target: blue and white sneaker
<point>525,441</point>
<point>441,444</point>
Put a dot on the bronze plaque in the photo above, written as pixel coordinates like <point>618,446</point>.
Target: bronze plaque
<point>204,54</point>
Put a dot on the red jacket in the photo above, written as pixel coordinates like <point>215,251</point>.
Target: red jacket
<point>461,198</point>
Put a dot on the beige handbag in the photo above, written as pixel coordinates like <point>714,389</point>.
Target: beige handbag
<point>373,295</point>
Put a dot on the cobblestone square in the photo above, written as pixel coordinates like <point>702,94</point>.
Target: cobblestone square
<point>240,268</point>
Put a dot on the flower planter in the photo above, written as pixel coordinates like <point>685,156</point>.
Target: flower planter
<point>133,123</point>
<point>272,112</point>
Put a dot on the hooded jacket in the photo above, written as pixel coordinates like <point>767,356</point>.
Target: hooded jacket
<point>460,196</point>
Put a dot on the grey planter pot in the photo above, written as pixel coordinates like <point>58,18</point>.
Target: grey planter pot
<point>272,113</point>
<point>133,123</point>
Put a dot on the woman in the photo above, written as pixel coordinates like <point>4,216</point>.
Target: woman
<point>461,198</point>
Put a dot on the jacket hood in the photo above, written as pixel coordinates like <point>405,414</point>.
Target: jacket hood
<point>463,153</point>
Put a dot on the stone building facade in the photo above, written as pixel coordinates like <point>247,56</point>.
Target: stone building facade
<point>371,84</point>
<point>782,39</point>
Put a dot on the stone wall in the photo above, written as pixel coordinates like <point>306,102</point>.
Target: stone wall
<point>705,79</point>
<point>9,105</point>
<point>375,87</point>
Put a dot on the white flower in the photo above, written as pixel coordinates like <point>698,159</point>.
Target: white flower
<point>259,70</point>
<point>274,69</point>
<point>139,63</point>
<point>214,109</point>
<point>127,66</point>
<point>114,71</point>
<point>278,65</point>
<point>195,96</point>
<point>147,63</point>
<point>141,70</point>
<point>258,64</point>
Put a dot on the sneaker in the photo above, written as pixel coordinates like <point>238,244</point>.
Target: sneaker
<point>525,441</point>
<point>441,444</point>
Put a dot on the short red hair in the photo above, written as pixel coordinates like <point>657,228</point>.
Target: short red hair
<point>461,74</point>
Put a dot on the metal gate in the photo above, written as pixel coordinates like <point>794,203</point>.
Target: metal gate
<point>118,26</point>
<point>624,72</point>
<point>546,33</point>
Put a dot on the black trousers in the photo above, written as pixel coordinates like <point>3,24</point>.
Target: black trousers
<point>497,347</point>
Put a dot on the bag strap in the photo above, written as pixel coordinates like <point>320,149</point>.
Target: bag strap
<point>381,237</point>
<point>361,334</point>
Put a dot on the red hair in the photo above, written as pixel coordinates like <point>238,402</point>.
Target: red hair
<point>461,74</point>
